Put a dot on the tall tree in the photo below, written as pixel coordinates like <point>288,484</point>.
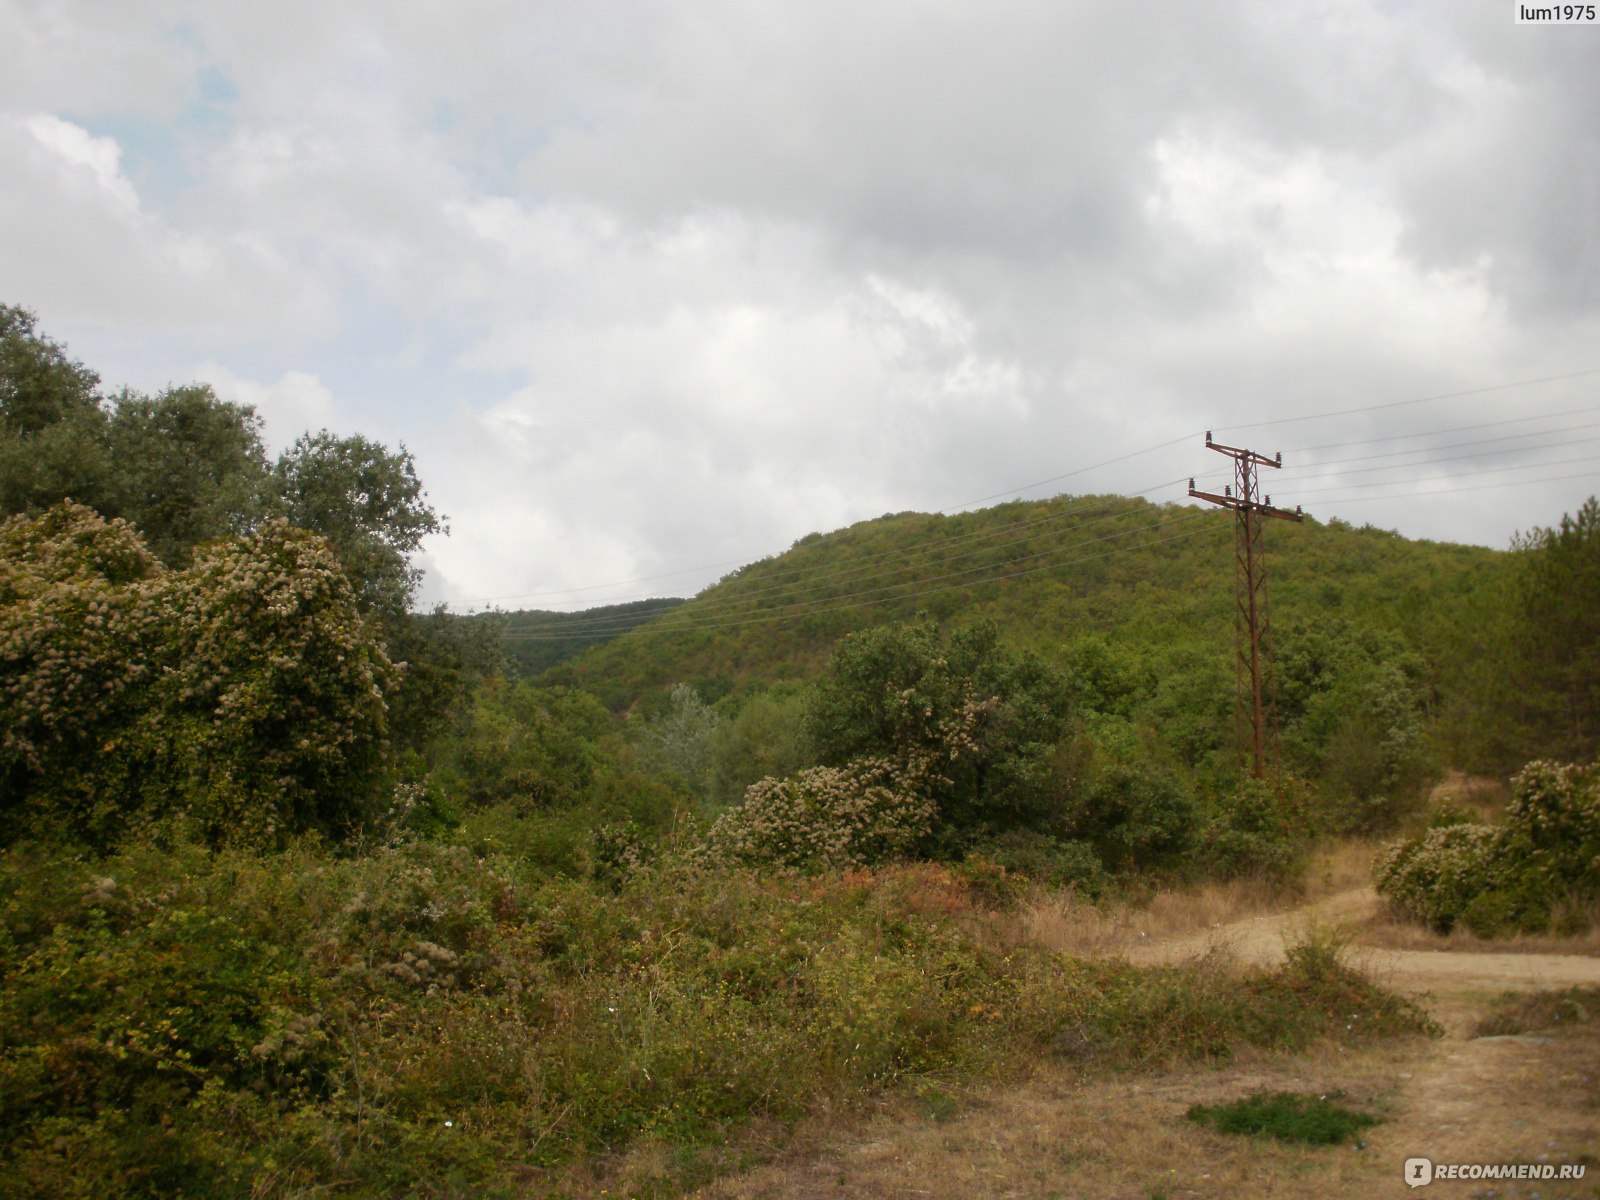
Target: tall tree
<point>189,467</point>
<point>367,501</point>
<point>1557,645</point>
<point>52,425</point>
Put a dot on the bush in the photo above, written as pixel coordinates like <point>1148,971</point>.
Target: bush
<point>1055,862</point>
<point>825,818</point>
<point>242,695</point>
<point>1433,878</point>
<point>1255,830</point>
<point>426,1020</point>
<point>1510,878</point>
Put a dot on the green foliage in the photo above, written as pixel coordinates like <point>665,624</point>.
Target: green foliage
<point>1434,877</point>
<point>431,1020</point>
<point>1557,639</point>
<point>678,742</point>
<point>52,428</point>
<point>242,694</point>
<point>185,468</point>
<point>826,818</point>
<point>979,722</point>
<point>536,748</point>
<point>1117,796</point>
<point>1517,1013</point>
<point>1042,857</point>
<point>442,658</point>
<point>1258,829</point>
<point>764,737</point>
<point>190,468</point>
<point>1510,877</point>
<point>1351,703</point>
<point>367,501</point>
<point>1311,1120</point>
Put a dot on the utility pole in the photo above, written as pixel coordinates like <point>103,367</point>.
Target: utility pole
<point>1252,628</point>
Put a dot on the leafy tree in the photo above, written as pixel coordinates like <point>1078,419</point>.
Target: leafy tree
<point>679,741</point>
<point>39,385</point>
<point>52,427</point>
<point>985,721</point>
<point>189,467</point>
<point>1118,796</point>
<point>765,737</point>
<point>367,501</point>
<point>537,748</point>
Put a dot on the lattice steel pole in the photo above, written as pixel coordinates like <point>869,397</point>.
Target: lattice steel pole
<point>1252,624</point>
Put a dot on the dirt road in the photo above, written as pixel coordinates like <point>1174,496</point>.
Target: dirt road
<point>1523,1099</point>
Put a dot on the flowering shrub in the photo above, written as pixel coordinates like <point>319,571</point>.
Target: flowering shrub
<point>1432,878</point>
<point>1501,878</point>
<point>826,817</point>
<point>243,693</point>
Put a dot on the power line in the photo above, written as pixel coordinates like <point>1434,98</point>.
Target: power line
<point>1126,457</point>
<point>1346,412</point>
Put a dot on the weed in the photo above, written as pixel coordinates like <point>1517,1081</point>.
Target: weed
<point>1312,1120</point>
<point>1515,1014</point>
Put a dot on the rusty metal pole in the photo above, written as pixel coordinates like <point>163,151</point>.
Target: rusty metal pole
<point>1252,638</point>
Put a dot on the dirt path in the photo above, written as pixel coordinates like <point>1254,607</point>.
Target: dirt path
<point>1532,1099</point>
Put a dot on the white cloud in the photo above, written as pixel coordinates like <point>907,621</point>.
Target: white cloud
<point>74,236</point>
<point>296,402</point>
<point>655,283</point>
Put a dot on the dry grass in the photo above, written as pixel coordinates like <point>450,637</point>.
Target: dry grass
<point>1390,932</point>
<point>1065,923</point>
<point>1063,1134</point>
<point>1485,799</point>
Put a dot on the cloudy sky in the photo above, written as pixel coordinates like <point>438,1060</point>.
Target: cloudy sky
<point>652,289</point>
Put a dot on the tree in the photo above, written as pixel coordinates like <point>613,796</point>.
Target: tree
<point>1557,642</point>
<point>367,501</point>
<point>52,425</point>
<point>190,467</point>
<point>982,722</point>
<point>679,741</point>
<point>39,385</point>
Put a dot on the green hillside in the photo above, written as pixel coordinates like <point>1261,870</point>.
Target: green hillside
<point>537,639</point>
<point>1155,580</point>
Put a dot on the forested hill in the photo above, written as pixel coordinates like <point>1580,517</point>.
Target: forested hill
<point>1060,577</point>
<point>537,639</point>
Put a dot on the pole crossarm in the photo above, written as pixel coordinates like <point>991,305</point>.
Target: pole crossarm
<point>1233,502</point>
<point>1260,460</point>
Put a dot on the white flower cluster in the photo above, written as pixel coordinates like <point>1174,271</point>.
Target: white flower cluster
<point>825,818</point>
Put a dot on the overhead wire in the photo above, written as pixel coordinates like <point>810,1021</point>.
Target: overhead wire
<point>858,572</point>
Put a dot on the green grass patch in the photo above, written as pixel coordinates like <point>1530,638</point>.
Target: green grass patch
<point>1309,1120</point>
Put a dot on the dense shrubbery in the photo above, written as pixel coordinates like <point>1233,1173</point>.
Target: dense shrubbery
<point>242,694</point>
<point>424,1020</point>
<point>1543,862</point>
<point>979,723</point>
<point>827,818</point>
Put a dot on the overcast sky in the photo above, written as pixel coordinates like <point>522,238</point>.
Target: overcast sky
<point>661,287</point>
